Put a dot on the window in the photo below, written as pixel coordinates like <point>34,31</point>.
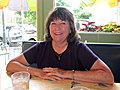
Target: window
<point>94,15</point>
<point>97,21</point>
<point>19,21</point>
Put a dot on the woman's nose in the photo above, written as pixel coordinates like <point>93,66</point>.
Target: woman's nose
<point>58,26</point>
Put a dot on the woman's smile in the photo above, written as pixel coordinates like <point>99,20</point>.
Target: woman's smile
<point>59,30</point>
<point>58,33</point>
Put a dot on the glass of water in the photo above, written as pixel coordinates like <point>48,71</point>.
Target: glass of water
<point>20,79</point>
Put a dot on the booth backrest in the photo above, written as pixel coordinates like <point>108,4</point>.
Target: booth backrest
<point>27,44</point>
<point>109,53</point>
<point>106,52</point>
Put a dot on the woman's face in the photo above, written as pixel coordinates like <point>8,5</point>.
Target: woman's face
<point>59,30</point>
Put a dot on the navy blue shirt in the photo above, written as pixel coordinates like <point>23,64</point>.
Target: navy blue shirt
<point>77,56</point>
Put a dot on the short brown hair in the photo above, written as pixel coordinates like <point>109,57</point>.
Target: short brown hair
<point>65,15</point>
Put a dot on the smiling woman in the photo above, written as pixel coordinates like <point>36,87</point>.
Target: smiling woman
<point>62,58</point>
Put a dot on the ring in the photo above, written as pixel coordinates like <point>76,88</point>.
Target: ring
<point>52,71</point>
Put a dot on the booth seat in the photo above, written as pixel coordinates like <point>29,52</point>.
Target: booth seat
<point>108,52</point>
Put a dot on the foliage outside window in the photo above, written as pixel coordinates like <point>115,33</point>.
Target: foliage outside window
<point>29,17</point>
<point>87,20</point>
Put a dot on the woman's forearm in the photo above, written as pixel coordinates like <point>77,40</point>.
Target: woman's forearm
<point>97,76</point>
<point>15,66</point>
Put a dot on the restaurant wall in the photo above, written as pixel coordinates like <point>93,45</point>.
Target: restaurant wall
<point>100,37</point>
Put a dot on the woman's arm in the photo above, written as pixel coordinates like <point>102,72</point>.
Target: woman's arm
<point>20,64</point>
<point>17,64</point>
<point>99,73</point>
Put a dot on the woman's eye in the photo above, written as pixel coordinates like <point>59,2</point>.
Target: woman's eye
<point>63,23</point>
<point>53,23</point>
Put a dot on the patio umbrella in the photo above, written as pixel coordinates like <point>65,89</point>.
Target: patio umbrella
<point>3,3</point>
<point>19,5</point>
<point>16,5</point>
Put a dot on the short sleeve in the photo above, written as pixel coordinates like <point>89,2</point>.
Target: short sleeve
<point>86,56</point>
<point>32,52</point>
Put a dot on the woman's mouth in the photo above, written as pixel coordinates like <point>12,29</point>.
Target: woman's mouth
<point>58,33</point>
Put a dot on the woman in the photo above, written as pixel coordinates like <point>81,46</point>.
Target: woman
<point>62,55</point>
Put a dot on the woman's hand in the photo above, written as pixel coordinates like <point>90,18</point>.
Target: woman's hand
<point>45,74</point>
<point>56,73</point>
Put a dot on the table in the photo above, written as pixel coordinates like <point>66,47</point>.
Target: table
<point>40,84</point>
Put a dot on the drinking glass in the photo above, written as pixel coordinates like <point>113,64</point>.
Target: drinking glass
<point>20,79</point>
